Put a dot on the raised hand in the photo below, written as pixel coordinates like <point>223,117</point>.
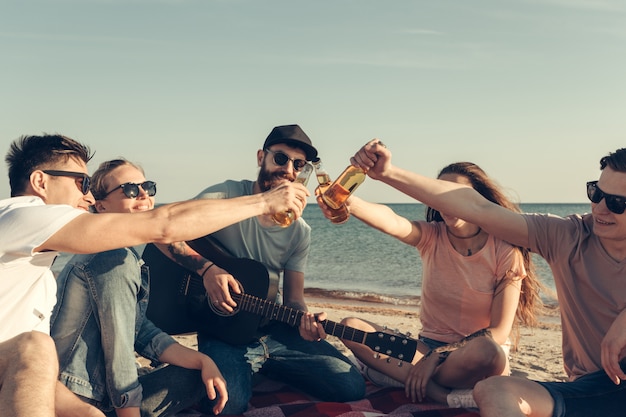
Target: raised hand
<point>373,157</point>
<point>286,196</point>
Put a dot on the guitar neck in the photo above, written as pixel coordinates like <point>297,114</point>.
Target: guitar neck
<point>291,316</point>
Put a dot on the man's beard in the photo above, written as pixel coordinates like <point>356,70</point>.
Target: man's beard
<point>267,180</point>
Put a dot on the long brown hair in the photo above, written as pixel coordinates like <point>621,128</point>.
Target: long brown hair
<point>530,303</point>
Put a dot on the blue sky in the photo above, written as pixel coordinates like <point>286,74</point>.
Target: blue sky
<point>534,91</point>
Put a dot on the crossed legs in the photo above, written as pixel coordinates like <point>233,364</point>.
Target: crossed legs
<point>480,358</point>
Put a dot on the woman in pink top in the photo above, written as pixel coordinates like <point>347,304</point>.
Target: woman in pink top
<point>475,288</point>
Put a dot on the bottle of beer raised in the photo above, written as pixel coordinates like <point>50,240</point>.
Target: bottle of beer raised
<point>339,191</point>
<point>285,218</point>
<point>340,215</point>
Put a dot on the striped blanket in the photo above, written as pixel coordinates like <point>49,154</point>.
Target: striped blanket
<point>274,399</point>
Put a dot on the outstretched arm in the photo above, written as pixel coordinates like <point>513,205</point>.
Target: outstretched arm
<point>383,218</point>
<point>174,222</point>
<point>454,199</point>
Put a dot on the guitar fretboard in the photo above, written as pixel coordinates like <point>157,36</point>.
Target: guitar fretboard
<point>291,316</point>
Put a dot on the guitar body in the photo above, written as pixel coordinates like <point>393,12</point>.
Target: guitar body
<point>167,306</point>
<point>178,302</point>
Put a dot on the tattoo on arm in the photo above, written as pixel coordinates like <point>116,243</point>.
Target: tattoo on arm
<point>187,257</point>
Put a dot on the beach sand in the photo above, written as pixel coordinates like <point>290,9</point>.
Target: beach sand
<point>538,355</point>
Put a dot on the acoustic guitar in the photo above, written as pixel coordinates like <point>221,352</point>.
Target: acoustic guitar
<point>178,303</point>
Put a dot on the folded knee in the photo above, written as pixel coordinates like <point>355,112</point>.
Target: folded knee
<point>35,344</point>
<point>492,387</point>
<point>486,354</point>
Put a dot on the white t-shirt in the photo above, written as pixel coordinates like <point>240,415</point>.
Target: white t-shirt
<point>27,286</point>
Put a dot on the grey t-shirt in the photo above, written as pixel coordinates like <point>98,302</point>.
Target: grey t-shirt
<point>276,247</point>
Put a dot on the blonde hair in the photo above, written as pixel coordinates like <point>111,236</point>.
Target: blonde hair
<point>98,179</point>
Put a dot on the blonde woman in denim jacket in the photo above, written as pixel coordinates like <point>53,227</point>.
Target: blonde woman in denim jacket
<point>100,318</point>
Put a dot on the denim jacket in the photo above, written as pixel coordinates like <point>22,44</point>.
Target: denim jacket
<point>99,322</point>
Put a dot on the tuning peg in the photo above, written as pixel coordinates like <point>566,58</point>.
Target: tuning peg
<point>388,360</point>
<point>408,334</point>
<point>400,363</point>
<point>376,355</point>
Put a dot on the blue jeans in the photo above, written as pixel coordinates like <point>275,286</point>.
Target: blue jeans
<point>316,368</point>
<point>588,396</point>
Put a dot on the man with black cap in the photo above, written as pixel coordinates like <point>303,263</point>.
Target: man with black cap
<point>296,355</point>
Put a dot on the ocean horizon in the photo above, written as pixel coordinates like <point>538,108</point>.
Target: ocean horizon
<point>356,262</point>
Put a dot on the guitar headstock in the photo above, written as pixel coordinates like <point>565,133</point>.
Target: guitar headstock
<point>394,345</point>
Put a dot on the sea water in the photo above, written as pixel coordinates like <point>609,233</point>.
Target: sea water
<point>353,260</point>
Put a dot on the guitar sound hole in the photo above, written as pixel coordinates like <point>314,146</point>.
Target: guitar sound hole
<point>236,297</point>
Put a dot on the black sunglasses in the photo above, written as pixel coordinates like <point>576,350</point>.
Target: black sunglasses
<point>615,203</point>
<point>86,181</point>
<point>281,158</point>
<point>131,190</point>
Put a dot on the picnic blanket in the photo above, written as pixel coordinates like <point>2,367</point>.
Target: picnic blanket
<point>275,399</point>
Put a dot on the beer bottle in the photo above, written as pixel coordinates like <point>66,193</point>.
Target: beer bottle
<point>339,191</point>
<point>285,218</point>
<point>340,215</point>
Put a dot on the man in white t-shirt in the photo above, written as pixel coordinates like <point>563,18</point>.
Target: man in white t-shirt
<point>48,213</point>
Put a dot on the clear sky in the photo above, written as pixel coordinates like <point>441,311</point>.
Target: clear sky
<point>534,91</point>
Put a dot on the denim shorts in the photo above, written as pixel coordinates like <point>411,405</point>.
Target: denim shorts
<point>590,395</point>
<point>431,343</point>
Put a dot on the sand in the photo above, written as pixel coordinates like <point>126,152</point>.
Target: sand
<point>538,355</point>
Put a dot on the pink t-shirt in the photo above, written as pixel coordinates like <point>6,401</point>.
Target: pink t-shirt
<point>591,285</point>
<point>457,290</point>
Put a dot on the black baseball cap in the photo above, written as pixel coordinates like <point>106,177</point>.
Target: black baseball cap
<point>291,135</point>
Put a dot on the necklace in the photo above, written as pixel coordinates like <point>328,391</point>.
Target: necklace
<point>465,237</point>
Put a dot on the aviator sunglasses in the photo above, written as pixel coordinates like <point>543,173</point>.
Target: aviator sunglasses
<point>281,158</point>
<point>615,203</point>
<point>84,187</point>
<point>131,189</point>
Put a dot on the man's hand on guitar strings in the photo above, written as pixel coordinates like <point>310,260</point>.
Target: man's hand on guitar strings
<point>310,327</point>
<point>218,284</point>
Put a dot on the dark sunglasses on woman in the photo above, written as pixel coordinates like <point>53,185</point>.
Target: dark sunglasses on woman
<point>281,158</point>
<point>131,189</point>
<point>615,203</point>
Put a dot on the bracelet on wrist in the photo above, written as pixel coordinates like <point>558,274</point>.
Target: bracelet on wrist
<point>207,268</point>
